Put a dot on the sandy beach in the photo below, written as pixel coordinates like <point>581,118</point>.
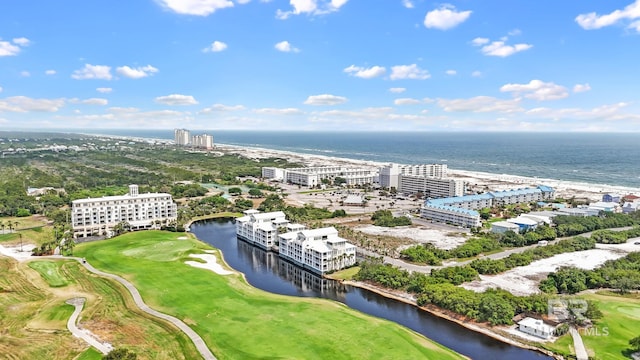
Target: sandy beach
<point>476,180</point>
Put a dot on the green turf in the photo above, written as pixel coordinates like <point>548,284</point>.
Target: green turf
<point>50,272</point>
<point>238,321</point>
<point>90,354</point>
<point>346,274</point>
<point>619,324</point>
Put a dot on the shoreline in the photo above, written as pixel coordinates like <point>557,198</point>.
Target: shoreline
<point>500,181</point>
<point>436,311</point>
<point>564,188</point>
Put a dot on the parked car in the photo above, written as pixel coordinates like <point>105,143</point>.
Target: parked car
<point>637,243</point>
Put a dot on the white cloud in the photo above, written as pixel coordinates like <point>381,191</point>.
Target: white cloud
<point>102,72</point>
<point>514,32</point>
<point>480,104</point>
<point>286,46</point>
<point>397,90</point>
<point>104,90</point>
<point>221,108</point>
<point>499,48</point>
<point>451,72</point>
<point>365,73</point>
<point>25,73</point>
<point>242,2</point>
<point>325,99</point>
<point>408,72</point>
<point>310,7</point>
<point>479,41</point>
<point>27,104</point>
<point>195,7</point>
<point>176,99</point>
<point>95,101</point>
<point>476,73</point>
<point>22,41</point>
<point>537,90</point>
<point>50,72</point>
<point>273,111</point>
<point>408,4</point>
<point>0,88</point>
<point>578,88</point>
<point>406,101</point>
<point>136,73</point>
<point>216,46</point>
<point>593,21</point>
<point>445,17</point>
<point>8,49</point>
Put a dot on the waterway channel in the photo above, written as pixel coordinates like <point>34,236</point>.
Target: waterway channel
<point>266,271</point>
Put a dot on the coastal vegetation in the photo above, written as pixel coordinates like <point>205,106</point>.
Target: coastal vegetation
<point>385,218</point>
<point>493,306</point>
<point>281,326</point>
<point>622,274</point>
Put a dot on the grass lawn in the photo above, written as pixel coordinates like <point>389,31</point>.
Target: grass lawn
<point>90,354</point>
<point>346,274</point>
<point>609,338</point>
<point>238,321</point>
<point>621,319</point>
<point>50,272</point>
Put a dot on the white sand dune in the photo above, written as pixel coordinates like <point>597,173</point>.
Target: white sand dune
<point>14,251</point>
<point>524,280</point>
<point>440,239</point>
<point>211,264</point>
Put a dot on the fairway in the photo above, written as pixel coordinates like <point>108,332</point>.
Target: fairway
<point>609,337</point>
<point>50,272</point>
<point>238,321</point>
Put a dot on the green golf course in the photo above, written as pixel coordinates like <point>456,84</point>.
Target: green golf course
<point>238,321</point>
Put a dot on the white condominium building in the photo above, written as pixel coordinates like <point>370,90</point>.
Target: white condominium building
<point>430,187</point>
<point>98,216</point>
<point>182,137</point>
<point>390,175</point>
<point>313,176</point>
<point>203,141</point>
<point>261,229</point>
<point>319,250</point>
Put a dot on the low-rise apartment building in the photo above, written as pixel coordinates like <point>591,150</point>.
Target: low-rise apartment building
<point>450,209</point>
<point>98,216</point>
<point>313,176</point>
<point>319,250</point>
<point>262,229</point>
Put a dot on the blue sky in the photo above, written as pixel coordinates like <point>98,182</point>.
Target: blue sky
<point>383,65</point>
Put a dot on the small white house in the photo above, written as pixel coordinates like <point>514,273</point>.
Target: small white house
<point>535,327</point>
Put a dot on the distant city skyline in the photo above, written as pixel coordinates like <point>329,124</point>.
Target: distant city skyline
<point>393,65</point>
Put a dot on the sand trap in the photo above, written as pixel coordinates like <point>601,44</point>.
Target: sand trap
<point>182,238</point>
<point>14,251</point>
<point>438,238</point>
<point>524,280</point>
<point>211,264</point>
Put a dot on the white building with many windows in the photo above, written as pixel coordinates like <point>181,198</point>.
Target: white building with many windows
<point>313,176</point>
<point>319,250</point>
<point>98,216</point>
<point>202,141</point>
<point>430,187</point>
<point>262,229</point>
<point>182,137</point>
<point>390,175</point>
<point>449,210</point>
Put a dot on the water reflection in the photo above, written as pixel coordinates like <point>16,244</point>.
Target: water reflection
<point>266,271</point>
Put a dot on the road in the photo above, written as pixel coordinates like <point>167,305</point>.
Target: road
<point>578,345</point>
<point>197,340</point>
<point>83,334</point>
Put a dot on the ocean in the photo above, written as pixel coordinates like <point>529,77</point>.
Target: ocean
<point>598,158</point>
